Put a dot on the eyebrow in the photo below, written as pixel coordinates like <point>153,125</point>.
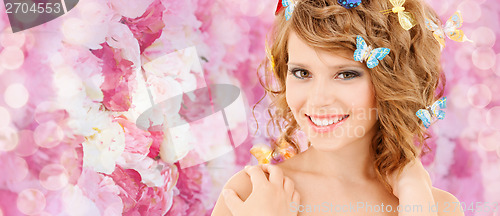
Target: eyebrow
<point>332,66</point>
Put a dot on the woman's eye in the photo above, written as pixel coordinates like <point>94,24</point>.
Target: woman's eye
<point>348,75</point>
<point>300,74</point>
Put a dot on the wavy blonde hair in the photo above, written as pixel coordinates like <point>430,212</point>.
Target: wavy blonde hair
<point>406,80</point>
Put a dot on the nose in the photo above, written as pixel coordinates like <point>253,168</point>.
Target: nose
<point>322,94</point>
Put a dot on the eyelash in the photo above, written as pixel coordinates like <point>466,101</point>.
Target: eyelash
<point>353,73</point>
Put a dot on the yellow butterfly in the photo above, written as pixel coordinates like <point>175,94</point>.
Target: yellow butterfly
<point>450,29</point>
<point>265,154</point>
<point>270,56</point>
<point>406,19</point>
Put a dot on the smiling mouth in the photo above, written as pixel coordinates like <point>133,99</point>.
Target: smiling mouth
<point>325,121</point>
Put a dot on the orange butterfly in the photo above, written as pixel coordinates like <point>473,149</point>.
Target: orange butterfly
<point>266,155</point>
<point>450,29</point>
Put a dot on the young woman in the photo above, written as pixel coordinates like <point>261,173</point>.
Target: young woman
<point>357,104</point>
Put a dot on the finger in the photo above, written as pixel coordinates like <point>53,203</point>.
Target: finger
<point>257,176</point>
<point>289,186</point>
<point>232,200</point>
<point>296,197</point>
<point>275,174</point>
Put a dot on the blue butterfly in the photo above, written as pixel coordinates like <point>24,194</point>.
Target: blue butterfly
<point>290,5</point>
<point>348,4</point>
<point>436,111</point>
<point>364,52</point>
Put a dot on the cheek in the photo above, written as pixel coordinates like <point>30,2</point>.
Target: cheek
<point>294,98</point>
<point>291,95</point>
<point>364,103</point>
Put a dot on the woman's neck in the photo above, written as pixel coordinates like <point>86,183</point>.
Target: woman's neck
<point>351,162</point>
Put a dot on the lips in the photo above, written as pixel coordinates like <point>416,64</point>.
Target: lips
<point>326,123</point>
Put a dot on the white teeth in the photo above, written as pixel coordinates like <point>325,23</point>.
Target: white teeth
<point>326,122</point>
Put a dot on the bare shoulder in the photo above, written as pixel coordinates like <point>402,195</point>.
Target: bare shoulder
<point>241,184</point>
<point>447,203</point>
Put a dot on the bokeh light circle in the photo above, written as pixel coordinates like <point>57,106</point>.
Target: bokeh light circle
<point>69,159</point>
<point>27,145</point>
<point>484,58</point>
<point>471,11</point>
<point>12,39</point>
<point>493,83</point>
<point>479,95</point>
<point>468,138</point>
<point>31,201</point>
<point>9,139</point>
<point>53,177</point>
<point>11,58</point>
<point>4,117</point>
<point>16,95</point>
<point>483,36</point>
<point>476,118</point>
<point>48,111</point>
<point>497,71</point>
<point>493,118</point>
<point>21,169</point>
<point>48,134</point>
<point>463,57</point>
<point>488,139</point>
<point>458,93</point>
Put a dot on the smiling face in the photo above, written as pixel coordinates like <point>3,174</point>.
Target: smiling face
<point>331,96</point>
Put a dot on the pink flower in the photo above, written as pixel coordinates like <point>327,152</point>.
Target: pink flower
<point>148,27</point>
<point>102,190</point>
<point>137,141</point>
<point>117,72</point>
<point>121,38</point>
<point>139,199</point>
<point>157,136</point>
<point>191,194</point>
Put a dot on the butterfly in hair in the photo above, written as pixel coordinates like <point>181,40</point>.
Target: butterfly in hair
<point>405,18</point>
<point>364,52</point>
<point>348,4</point>
<point>436,112</point>
<point>289,5</point>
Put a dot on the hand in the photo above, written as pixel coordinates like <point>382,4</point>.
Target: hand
<point>413,175</point>
<point>413,187</point>
<point>268,198</point>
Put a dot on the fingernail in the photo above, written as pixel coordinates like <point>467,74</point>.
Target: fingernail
<point>246,166</point>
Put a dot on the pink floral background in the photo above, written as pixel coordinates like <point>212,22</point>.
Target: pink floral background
<point>71,91</point>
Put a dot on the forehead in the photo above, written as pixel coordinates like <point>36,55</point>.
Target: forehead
<point>301,52</point>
